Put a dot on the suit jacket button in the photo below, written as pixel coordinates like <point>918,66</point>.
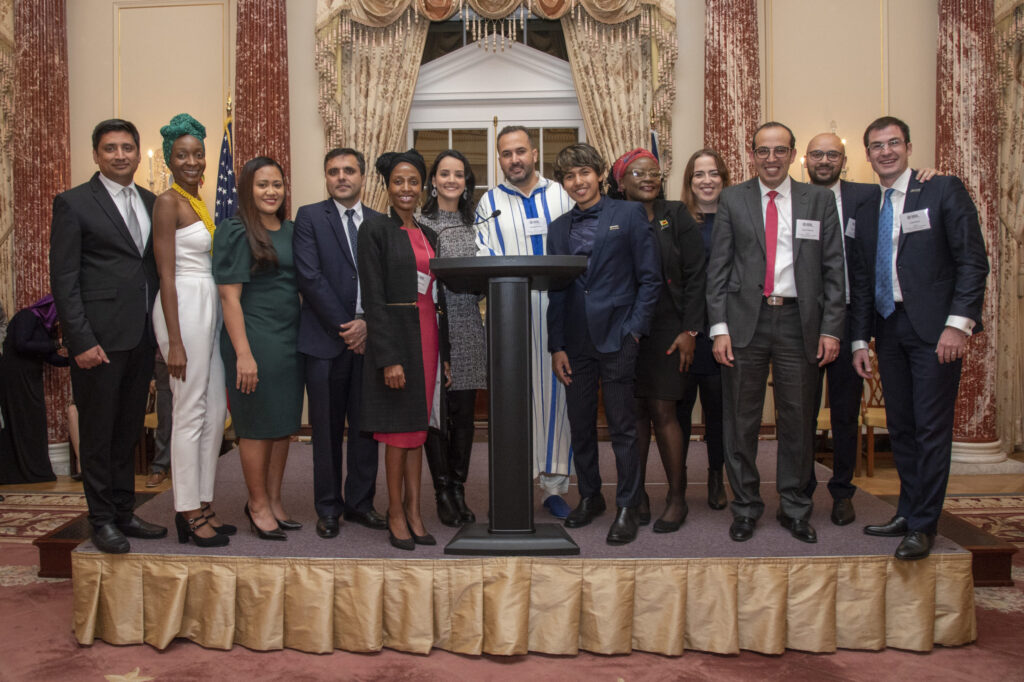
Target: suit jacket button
<point>586,291</point>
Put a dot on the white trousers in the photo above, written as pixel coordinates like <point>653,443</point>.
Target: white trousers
<point>200,402</point>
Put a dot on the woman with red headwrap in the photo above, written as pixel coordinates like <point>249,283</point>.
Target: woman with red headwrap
<point>31,340</point>
<point>665,355</point>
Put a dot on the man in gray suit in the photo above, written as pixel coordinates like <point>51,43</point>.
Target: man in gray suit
<point>776,299</point>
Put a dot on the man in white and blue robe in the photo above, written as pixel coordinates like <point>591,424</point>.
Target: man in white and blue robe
<point>528,203</point>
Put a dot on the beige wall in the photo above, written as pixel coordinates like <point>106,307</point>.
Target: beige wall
<point>147,61</point>
<point>850,62</point>
<point>688,115</point>
<point>307,128</point>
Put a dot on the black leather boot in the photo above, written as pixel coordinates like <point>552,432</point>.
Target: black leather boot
<point>716,489</point>
<point>460,445</point>
<point>437,461</point>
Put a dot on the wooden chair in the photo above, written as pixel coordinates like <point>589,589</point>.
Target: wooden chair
<point>872,411</point>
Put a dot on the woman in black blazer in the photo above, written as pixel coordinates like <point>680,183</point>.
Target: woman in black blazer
<point>665,355</point>
<point>401,377</point>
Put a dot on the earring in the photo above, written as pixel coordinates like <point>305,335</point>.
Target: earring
<point>433,191</point>
<point>202,180</point>
<point>465,194</point>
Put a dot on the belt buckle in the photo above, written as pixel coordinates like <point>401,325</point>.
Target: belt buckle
<point>774,300</point>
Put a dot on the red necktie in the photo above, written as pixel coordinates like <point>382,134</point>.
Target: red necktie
<point>771,238</point>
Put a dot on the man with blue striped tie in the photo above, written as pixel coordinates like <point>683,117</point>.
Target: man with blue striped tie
<point>512,220</point>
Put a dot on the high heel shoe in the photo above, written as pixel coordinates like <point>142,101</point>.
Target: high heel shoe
<point>427,539</point>
<point>288,524</point>
<point>187,529</point>
<point>222,529</point>
<point>276,534</point>
<point>407,544</point>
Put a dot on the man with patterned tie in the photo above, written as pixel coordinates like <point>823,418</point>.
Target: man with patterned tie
<point>332,339</point>
<point>918,271</point>
<point>512,220</point>
<point>104,282</point>
<point>776,299</point>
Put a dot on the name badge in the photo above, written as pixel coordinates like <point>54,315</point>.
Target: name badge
<point>536,226</point>
<point>851,228</point>
<point>915,221</point>
<point>808,229</point>
<point>422,282</point>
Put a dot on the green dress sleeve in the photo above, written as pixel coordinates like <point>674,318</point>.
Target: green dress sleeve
<point>232,258</point>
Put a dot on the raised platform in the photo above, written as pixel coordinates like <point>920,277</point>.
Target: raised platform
<point>694,589</point>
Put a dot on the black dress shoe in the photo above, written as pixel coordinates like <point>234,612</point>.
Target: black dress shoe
<point>370,519</point>
<point>288,524</point>
<point>110,539</point>
<point>137,528</point>
<point>427,539</point>
<point>716,489</point>
<point>916,545</point>
<point>623,528</point>
<point>664,525</point>
<point>586,511</point>
<point>742,528</point>
<point>222,529</point>
<point>327,526</point>
<point>800,529</point>
<point>896,527</point>
<point>643,509</point>
<point>842,511</point>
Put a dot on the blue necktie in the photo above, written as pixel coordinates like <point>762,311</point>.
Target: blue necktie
<point>883,260</point>
<point>350,227</point>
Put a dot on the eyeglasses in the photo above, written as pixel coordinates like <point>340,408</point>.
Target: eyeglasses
<point>764,152</point>
<point>879,147</point>
<point>831,155</point>
<point>653,174</point>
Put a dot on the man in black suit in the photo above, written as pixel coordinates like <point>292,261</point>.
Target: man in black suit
<point>918,283</point>
<point>104,281</point>
<point>826,158</point>
<point>775,300</point>
<point>595,325</point>
<point>332,337</point>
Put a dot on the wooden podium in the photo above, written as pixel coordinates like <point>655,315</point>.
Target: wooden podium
<point>507,281</point>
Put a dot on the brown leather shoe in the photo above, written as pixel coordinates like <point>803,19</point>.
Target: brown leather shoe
<point>156,478</point>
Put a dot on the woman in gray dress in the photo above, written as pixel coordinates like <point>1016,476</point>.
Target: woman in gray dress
<point>449,214</point>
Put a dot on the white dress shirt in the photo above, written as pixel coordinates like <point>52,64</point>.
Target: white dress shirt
<point>357,218</point>
<point>785,277</point>
<point>141,214</point>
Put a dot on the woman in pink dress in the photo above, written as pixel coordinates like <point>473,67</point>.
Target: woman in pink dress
<point>401,377</point>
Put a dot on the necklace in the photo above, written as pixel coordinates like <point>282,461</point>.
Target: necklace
<point>199,207</point>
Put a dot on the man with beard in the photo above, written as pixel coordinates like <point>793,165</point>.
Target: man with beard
<point>826,159</point>
<point>528,203</point>
<point>332,339</point>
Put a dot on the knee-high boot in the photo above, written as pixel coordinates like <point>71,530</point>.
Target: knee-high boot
<point>435,449</point>
<point>460,446</point>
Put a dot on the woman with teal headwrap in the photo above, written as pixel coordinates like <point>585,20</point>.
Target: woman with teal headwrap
<point>187,324</point>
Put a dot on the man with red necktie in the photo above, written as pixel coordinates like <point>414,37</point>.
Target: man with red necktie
<point>776,300</point>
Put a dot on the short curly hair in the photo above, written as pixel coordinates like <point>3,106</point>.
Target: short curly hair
<point>180,125</point>
<point>576,156</point>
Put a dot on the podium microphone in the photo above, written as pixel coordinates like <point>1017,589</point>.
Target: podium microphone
<point>495,214</point>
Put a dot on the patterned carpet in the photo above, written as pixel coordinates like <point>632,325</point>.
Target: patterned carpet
<point>1000,515</point>
<point>27,516</point>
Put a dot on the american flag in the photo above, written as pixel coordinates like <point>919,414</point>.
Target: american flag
<point>227,195</point>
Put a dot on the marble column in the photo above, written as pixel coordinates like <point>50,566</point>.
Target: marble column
<point>732,82</point>
<point>42,166</point>
<point>261,84</point>
<point>966,143</point>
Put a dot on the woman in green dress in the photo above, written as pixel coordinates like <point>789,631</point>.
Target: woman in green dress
<point>255,274</point>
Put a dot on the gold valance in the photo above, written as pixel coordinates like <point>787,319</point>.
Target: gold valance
<point>379,13</point>
<point>513,605</point>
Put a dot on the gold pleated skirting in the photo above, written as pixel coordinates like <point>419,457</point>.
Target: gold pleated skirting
<point>515,605</point>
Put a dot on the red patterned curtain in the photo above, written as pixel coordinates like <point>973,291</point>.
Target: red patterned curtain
<point>967,145</point>
<point>261,84</point>
<point>42,166</point>
<point>732,81</point>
